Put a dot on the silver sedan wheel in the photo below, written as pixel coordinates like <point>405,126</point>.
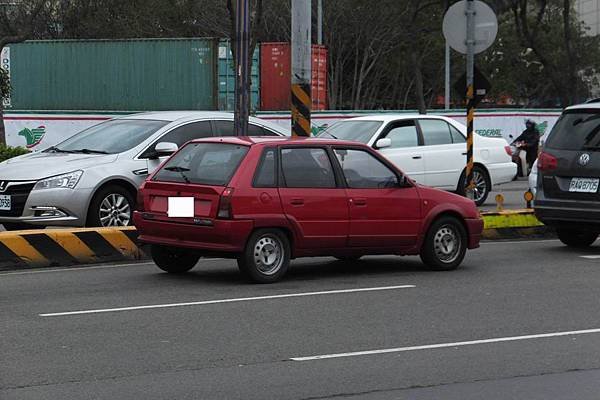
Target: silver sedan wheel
<point>115,210</point>
<point>447,244</point>
<point>268,254</point>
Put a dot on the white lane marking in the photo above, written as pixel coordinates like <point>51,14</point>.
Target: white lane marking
<point>234,300</point>
<point>591,257</point>
<point>45,271</point>
<point>445,345</point>
<point>517,241</point>
<point>138,264</point>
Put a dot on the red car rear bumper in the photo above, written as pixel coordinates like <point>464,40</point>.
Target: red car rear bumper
<point>475,229</point>
<point>227,236</point>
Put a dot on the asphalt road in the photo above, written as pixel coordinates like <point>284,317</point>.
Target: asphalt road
<point>451,335</point>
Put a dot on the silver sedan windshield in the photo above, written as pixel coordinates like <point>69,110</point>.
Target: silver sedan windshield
<point>112,137</point>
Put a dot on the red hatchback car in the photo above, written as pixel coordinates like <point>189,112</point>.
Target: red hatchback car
<point>265,201</point>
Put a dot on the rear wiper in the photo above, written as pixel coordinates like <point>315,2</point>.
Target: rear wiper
<point>181,171</point>
<point>89,151</point>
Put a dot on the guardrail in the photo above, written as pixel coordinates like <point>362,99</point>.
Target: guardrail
<point>65,247</point>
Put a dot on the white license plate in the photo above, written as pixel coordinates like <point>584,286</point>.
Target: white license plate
<point>584,185</point>
<point>5,203</point>
<point>180,207</point>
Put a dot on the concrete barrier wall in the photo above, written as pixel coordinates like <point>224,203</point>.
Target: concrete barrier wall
<point>38,130</point>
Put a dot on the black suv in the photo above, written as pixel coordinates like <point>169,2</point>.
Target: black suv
<point>567,195</point>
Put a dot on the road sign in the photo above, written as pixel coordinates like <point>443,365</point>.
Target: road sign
<point>482,85</point>
<point>455,21</point>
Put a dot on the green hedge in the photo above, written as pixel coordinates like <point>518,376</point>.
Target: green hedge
<point>10,152</point>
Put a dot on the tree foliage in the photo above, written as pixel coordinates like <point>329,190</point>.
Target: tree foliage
<point>4,85</point>
<point>387,54</point>
<point>18,22</point>
<point>10,152</point>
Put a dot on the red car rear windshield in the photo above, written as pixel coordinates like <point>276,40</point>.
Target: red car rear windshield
<point>203,163</point>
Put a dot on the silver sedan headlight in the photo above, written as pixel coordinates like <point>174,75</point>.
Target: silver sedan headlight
<point>67,181</point>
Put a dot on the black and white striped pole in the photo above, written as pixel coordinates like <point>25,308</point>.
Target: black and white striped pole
<point>301,67</point>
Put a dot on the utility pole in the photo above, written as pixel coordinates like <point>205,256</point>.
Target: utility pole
<point>470,12</point>
<point>320,22</point>
<point>301,67</point>
<point>242,67</point>
<point>447,83</point>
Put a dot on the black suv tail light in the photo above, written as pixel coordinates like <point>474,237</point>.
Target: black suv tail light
<point>547,162</point>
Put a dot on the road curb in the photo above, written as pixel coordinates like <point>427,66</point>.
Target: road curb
<point>66,247</point>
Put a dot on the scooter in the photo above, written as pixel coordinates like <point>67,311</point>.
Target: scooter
<point>519,156</point>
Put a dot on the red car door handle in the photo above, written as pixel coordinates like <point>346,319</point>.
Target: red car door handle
<point>297,202</point>
<point>359,202</point>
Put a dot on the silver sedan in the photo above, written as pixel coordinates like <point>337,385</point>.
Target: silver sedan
<point>91,179</point>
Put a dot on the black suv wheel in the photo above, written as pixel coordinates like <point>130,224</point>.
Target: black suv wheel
<point>576,238</point>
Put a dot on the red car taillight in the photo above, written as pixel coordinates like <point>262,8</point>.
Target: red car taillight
<point>547,162</point>
<point>225,211</point>
<point>139,202</point>
<point>508,150</point>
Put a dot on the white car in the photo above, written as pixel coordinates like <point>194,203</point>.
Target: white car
<point>533,174</point>
<point>533,178</point>
<point>431,150</point>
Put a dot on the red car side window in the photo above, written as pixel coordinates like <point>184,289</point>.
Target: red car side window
<point>363,171</point>
<point>266,171</point>
<point>307,168</point>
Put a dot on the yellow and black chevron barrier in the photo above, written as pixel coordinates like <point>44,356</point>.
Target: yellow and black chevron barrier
<point>64,247</point>
<point>301,104</point>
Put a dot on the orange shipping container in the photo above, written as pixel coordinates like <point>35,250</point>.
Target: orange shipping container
<point>275,77</point>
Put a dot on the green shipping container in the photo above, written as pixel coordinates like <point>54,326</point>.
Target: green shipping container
<point>132,75</point>
<point>227,78</point>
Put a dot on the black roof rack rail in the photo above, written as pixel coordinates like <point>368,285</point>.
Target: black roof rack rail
<point>594,100</point>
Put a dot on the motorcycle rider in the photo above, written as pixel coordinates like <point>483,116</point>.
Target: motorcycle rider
<point>529,141</point>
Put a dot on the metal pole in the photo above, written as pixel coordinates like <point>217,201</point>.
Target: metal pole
<point>447,85</point>
<point>242,73</point>
<point>301,67</point>
<point>470,95</point>
<point>320,22</point>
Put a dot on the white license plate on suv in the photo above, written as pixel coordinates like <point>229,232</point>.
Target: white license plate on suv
<point>5,203</point>
<point>584,185</point>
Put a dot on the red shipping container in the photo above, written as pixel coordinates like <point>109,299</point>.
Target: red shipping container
<point>275,77</point>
